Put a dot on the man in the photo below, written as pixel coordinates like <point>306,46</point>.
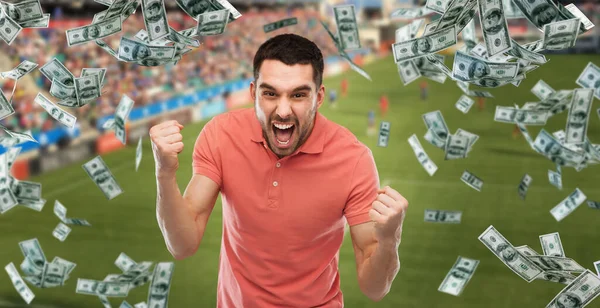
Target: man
<point>421,46</point>
<point>194,7</point>
<point>543,14</point>
<point>493,22</point>
<point>478,69</point>
<point>568,300</point>
<point>344,87</point>
<point>153,12</point>
<point>90,33</point>
<point>383,105</point>
<point>371,124</point>
<point>424,86</point>
<point>288,176</point>
<point>332,98</point>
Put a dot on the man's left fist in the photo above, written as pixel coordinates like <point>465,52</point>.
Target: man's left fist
<point>388,214</point>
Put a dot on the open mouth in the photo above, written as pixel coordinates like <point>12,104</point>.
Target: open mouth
<point>283,134</point>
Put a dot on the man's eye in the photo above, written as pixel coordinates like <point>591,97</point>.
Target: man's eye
<point>269,93</point>
<point>299,95</point>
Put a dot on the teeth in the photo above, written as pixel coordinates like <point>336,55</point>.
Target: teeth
<point>282,126</point>
<point>283,143</point>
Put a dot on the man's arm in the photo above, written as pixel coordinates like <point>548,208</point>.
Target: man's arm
<point>182,219</point>
<point>377,263</point>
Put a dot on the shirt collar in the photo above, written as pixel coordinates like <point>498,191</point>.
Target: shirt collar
<point>313,145</point>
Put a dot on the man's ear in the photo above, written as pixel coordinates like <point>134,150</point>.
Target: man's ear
<point>253,91</point>
<point>320,95</point>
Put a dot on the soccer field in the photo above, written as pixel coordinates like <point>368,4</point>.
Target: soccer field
<point>427,252</point>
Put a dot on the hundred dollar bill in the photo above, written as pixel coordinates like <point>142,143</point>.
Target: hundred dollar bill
<point>19,136</point>
<point>472,180</point>
<point>87,88</point>
<point>344,55</point>
<point>58,114</point>
<point>63,92</point>
<point>108,289</point>
<point>587,24</point>
<point>458,14</point>
<point>542,90</point>
<point>133,51</point>
<point>456,147</point>
<point>525,54</point>
<point>511,11</point>
<point>480,51</point>
<point>181,38</point>
<point>155,18</point>
<point>469,36</point>
<point>548,146</point>
<point>579,116</point>
<point>551,245</point>
<point>435,121</point>
<point>590,78</point>
<point>434,139</point>
<point>121,115</point>
<point>543,12</point>
<point>280,24</point>
<point>138,154</point>
<point>125,304</point>
<point>527,117</point>
<point>568,205</point>
<point>61,232</point>
<point>124,262</point>
<point>42,22</point>
<point>141,305</point>
<point>561,34</point>
<point>472,138</point>
<point>594,204</point>
<point>102,44</point>
<point>109,124</point>
<point>213,23</point>
<point>468,68</point>
<point>578,293</point>
<point>6,108</point>
<point>345,19</point>
<point>414,26</point>
<point>557,276</point>
<point>507,253</point>
<point>549,263</point>
<point>441,216</point>
<point>384,134</point>
<point>402,34</point>
<point>98,171</point>
<point>464,104</point>
<point>410,13</point>
<point>421,155</point>
<point>9,29</point>
<point>93,71</point>
<point>158,295</point>
<point>67,264</point>
<point>55,70</point>
<point>597,266</point>
<point>197,7</point>
<point>458,276</point>
<point>408,71</point>
<point>28,191</point>
<point>61,212</point>
<point>23,11</point>
<point>31,249</point>
<point>18,283</point>
<point>527,251</point>
<point>81,35</point>
<point>524,186</point>
<point>439,6</point>
<point>494,27</point>
<point>21,70</point>
<point>560,135</point>
<point>422,46</point>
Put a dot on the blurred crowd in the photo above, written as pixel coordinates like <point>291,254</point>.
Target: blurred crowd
<point>219,59</point>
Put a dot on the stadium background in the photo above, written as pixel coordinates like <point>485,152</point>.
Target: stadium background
<point>214,79</point>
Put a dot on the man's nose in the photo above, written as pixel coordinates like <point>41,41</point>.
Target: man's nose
<point>284,108</point>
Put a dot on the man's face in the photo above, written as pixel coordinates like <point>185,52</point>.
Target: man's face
<point>153,11</point>
<point>197,7</point>
<point>509,254</point>
<point>286,95</point>
<point>94,32</point>
<point>567,301</point>
<point>479,70</point>
<point>143,52</point>
<point>491,21</point>
<point>547,15</point>
<point>423,45</point>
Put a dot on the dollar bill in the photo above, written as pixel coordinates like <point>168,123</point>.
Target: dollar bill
<point>141,305</point>
<point>23,11</point>
<point>458,14</point>
<point>551,245</point>
<point>87,88</point>
<point>9,29</point>
<point>527,117</point>
<point>197,7</point>
<point>557,276</point>
<point>472,138</point>
<point>28,191</point>
<point>507,253</point>
<point>102,44</point>
<point>55,70</point>
<point>384,134</point>
<point>21,70</point>
<point>421,155</point>
<point>597,267</point>
<point>472,180</point>
<point>434,139</point>
<point>41,22</point>
<point>70,266</point>
<point>590,78</point>
<point>464,104</point>
<point>181,38</point>
<point>543,12</point>
<point>524,186</point>
<point>469,36</point>
<point>345,19</point>
<point>6,108</point>
<point>542,90</point>
<point>402,34</point>
<point>155,18</point>
<point>109,124</point>
<point>61,232</point>
<point>442,216</point>
<point>138,154</point>
<point>578,293</point>
<point>511,11</point>
<point>280,24</point>
<point>81,35</point>
<point>561,34</point>
<point>19,136</point>
<point>61,212</point>
<point>555,179</point>
<point>468,68</point>
<point>494,27</point>
<point>586,23</point>
<point>435,121</point>
<point>18,283</point>
<point>158,295</point>
<point>439,6</point>
<point>456,147</point>
<point>550,263</point>
<point>568,205</point>
<point>134,51</point>
<point>63,92</point>
<point>343,54</point>
<point>408,71</point>
<point>527,251</point>
<point>579,115</point>
<point>411,13</point>
<point>480,51</point>
<point>101,72</point>
<point>548,146</point>
<point>414,27</point>
<point>458,276</point>
<point>33,250</point>
<point>58,114</point>
<point>594,204</point>
<point>213,23</point>
<point>121,115</point>
<point>108,289</point>
<point>37,205</point>
<point>425,45</point>
<point>524,54</point>
<point>124,262</point>
<point>98,171</point>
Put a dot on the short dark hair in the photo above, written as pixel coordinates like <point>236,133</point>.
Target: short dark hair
<point>291,49</point>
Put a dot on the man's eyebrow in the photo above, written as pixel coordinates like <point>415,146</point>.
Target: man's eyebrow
<point>267,86</point>
<point>299,88</point>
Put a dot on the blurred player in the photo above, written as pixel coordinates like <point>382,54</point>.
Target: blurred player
<point>371,125</point>
<point>273,165</point>
<point>332,98</point>
<point>344,87</point>
<point>481,103</point>
<point>516,132</point>
<point>383,105</point>
<point>424,88</point>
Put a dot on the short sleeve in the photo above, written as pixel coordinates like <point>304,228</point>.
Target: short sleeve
<point>206,159</point>
<point>363,190</point>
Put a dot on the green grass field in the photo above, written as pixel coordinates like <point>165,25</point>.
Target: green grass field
<point>128,223</point>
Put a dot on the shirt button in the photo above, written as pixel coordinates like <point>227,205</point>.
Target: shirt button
<point>275,183</point>
<point>278,165</point>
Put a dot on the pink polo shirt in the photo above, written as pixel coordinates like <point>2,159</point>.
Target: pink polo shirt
<point>283,219</point>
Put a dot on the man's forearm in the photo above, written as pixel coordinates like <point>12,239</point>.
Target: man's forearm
<point>379,270</point>
<point>176,221</point>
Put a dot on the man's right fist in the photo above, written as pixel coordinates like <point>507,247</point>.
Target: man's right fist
<point>166,144</point>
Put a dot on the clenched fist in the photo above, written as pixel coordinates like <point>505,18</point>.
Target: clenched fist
<point>166,144</point>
